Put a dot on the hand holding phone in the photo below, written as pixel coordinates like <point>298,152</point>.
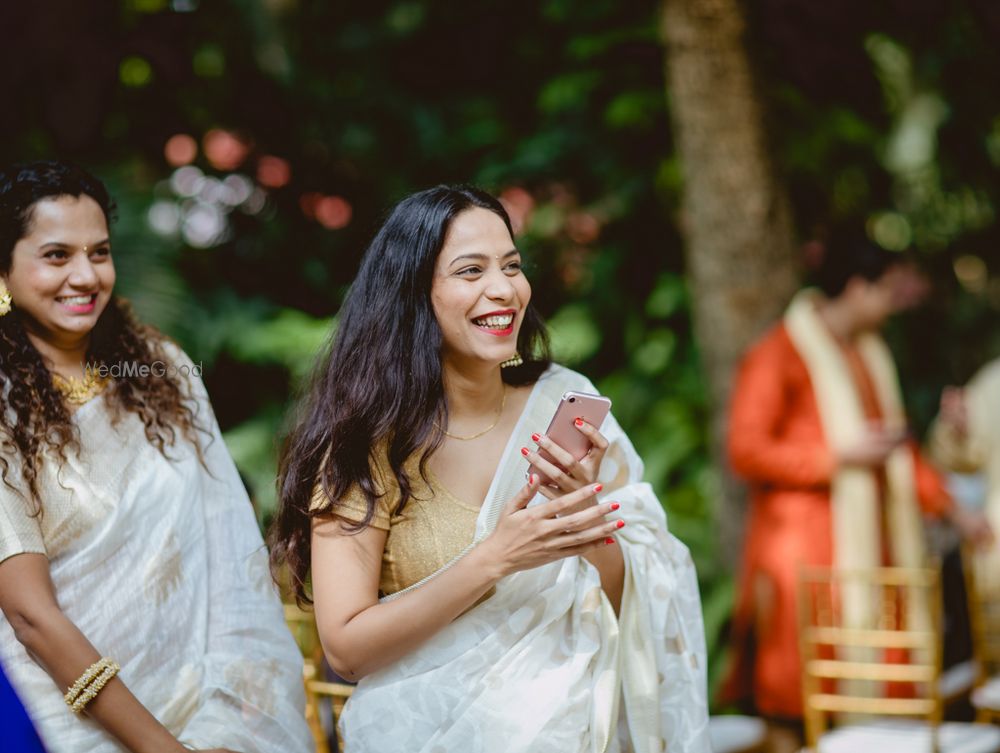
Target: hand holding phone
<point>571,444</point>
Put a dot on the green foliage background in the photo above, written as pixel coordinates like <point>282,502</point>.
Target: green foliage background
<point>886,112</point>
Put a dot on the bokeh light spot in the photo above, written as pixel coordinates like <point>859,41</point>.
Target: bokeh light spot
<point>519,205</point>
<point>135,72</point>
<point>180,150</point>
<point>583,227</point>
<point>224,149</point>
<point>971,273</point>
<point>147,6</point>
<point>891,231</point>
<point>308,202</point>
<point>203,225</point>
<point>186,181</point>
<point>209,62</point>
<point>273,172</point>
<point>164,217</point>
<point>238,189</point>
<point>333,212</point>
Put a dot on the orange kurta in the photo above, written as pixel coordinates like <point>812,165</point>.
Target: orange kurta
<point>776,443</point>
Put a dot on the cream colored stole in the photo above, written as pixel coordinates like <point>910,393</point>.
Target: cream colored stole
<point>857,543</point>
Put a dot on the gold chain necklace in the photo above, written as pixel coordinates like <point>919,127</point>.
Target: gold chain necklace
<point>80,391</point>
<point>503,402</point>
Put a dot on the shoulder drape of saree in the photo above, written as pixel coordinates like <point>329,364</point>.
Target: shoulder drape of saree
<point>544,665</point>
<point>161,565</point>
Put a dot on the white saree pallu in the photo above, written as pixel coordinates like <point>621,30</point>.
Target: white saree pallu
<point>160,564</point>
<point>543,665</point>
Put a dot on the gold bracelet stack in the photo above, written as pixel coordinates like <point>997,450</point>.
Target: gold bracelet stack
<point>90,683</point>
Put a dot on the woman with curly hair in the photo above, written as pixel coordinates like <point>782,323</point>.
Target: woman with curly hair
<point>480,612</point>
<point>137,608</point>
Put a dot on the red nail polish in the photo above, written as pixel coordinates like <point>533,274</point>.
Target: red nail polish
<point>598,487</point>
<point>609,540</point>
<point>620,524</point>
<point>535,437</point>
<point>524,450</point>
<point>615,505</point>
<point>531,479</point>
<point>578,422</point>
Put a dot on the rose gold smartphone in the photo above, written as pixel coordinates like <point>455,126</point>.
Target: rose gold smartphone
<point>591,408</point>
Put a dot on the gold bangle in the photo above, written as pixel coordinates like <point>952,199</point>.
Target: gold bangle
<point>93,673</point>
<point>95,687</point>
<point>84,680</point>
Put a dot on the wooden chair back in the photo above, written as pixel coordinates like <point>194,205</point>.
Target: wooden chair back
<point>302,625</point>
<point>982,588</point>
<point>871,645</point>
<point>983,595</point>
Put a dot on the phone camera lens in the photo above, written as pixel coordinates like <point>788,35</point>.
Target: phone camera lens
<point>572,399</point>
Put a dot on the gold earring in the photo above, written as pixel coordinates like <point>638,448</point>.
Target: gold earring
<point>514,360</point>
<point>5,301</point>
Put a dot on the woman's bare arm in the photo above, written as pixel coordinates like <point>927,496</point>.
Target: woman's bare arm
<point>360,635</point>
<point>28,601</point>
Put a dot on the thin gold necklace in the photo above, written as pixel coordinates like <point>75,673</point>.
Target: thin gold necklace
<point>503,402</point>
<point>80,391</point>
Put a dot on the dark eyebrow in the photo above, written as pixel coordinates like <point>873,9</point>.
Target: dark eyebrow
<point>60,244</point>
<point>481,257</point>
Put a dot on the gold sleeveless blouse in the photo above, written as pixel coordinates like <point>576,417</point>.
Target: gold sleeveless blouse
<point>432,529</point>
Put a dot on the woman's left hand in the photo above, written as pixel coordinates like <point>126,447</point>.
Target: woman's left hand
<point>568,474</point>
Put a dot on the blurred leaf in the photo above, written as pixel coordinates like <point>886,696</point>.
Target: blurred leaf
<point>568,91</point>
<point>574,335</point>
<point>253,447</point>
<point>634,109</point>
<point>655,352</point>
<point>667,297</point>
<point>291,338</point>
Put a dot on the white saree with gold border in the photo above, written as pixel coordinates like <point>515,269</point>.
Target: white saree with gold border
<point>543,665</point>
<point>161,565</point>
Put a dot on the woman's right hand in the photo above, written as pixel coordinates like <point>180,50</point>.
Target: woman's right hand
<point>527,537</point>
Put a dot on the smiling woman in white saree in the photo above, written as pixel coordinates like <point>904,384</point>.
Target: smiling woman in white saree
<point>138,613</point>
<point>479,611</point>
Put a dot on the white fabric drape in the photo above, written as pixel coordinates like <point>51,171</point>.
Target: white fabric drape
<point>544,665</point>
<point>978,452</point>
<point>161,565</point>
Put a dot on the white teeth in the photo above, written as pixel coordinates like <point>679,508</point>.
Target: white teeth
<point>77,300</point>
<point>495,322</point>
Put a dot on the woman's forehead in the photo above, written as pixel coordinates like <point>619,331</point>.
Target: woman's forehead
<point>476,231</point>
<point>59,219</point>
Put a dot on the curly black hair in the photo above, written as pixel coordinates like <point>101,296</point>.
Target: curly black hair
<point>36,418</point>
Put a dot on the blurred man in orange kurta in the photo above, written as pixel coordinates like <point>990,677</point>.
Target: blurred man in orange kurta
<point>817,430</point>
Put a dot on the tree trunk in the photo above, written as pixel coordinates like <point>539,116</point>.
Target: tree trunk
<point>736,221</point>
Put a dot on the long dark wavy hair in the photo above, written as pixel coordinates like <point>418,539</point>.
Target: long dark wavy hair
<point>35,416</point>
<point>377,389</point>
